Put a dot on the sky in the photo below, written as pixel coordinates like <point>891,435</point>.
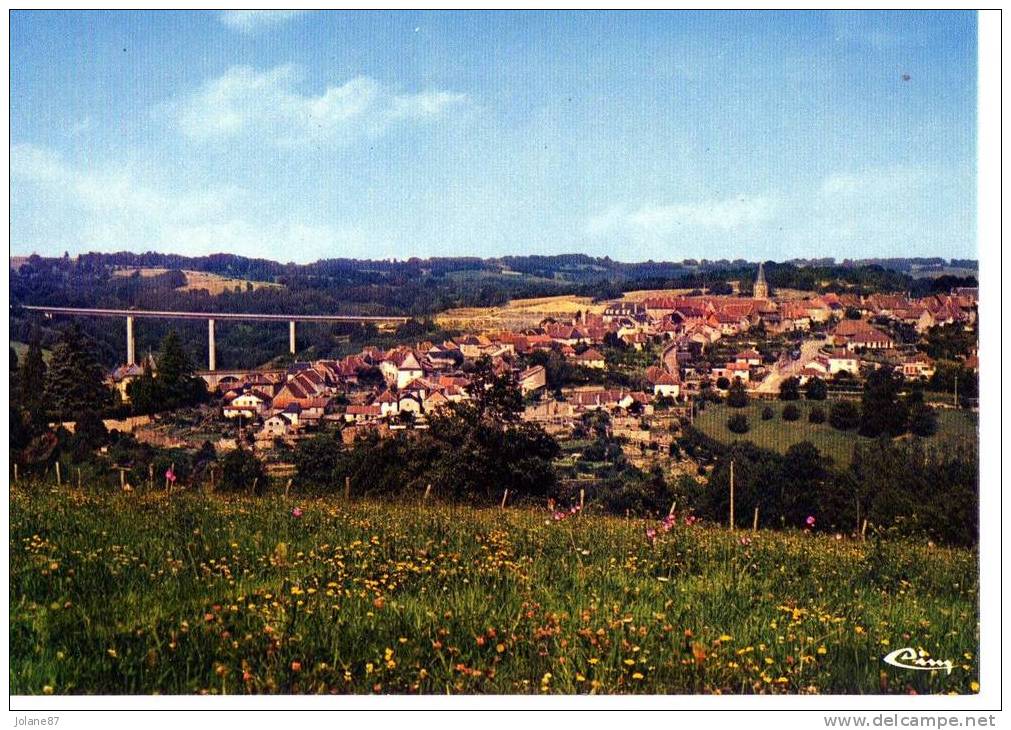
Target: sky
<point>296,136</point>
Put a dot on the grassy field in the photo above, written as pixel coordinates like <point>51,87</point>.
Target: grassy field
<point>133,594</point>
<point>954,428</point>
<point>21,348</point>
<point>213,283</point>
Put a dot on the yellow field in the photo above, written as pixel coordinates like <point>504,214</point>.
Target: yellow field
<point>517,314</point>
<point>213,283</point>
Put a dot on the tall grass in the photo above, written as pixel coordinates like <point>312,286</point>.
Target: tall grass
<point>128,593</point>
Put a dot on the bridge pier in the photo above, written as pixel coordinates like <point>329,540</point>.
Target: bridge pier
<point>291,336</point>
<point>131,349</point>
<point>211,355</point>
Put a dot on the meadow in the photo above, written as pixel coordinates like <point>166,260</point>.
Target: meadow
<point>191,593</point>
<point>955,429</point>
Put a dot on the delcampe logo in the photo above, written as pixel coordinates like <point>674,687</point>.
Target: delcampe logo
<point>909,658</point>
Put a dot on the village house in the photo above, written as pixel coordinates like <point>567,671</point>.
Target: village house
<point>872,339</point>
<point>274,427</point>
<point>918,367</point>
<point>590,359</point>
<point>248,405</point>
<point>532,379</point>
<point>665,383</point>
<point>362,413</point>
<point>751,358</point>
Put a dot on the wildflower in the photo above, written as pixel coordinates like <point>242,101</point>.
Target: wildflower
<point>974,686</point>
<point>296,666</point>
<point>48,689</point>
<point>637,675</point>
<point>809,521</point>
<point>500,648</point>
<point>650,534</point>
<point>296,512</point>
<point>822,650</point>
<point>745,540</point>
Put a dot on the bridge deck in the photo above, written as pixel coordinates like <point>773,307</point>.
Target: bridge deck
<point>220,316</point>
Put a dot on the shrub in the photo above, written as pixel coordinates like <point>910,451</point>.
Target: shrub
<point>722,383</point>
<point>817,415</point>
<point>241,471</point>
<point>789,389</point>
<point>922,420</point>
<point>738,423</point>
<point>816,389</point>
<point>767,414</point>
<point>844,415</point>
<point>791,413</point>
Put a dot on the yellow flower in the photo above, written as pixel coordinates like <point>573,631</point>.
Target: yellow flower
<point>500,648</point>
<point>637,675</point>
<point>594,660</point>
<point>725,637</point>
<point>974,686</point>
<point>822,650</point>
<point>630,662</point>
<point>48,689</point>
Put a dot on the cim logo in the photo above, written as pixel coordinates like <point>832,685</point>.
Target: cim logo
<point>909,658</point>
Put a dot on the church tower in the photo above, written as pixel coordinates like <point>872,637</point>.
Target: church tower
<point>761,288</point>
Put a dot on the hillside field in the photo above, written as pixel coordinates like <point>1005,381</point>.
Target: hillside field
<point>955,428</point>
<point>213,283</point>
<point>118,593</point>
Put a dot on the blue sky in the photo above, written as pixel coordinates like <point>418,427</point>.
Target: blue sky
<point>298,136</point>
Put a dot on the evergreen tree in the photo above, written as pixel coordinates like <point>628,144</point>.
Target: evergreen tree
<point>15,380</point>
<point>73,382</point>
<point>881,411</point>
<point>738,396</point>
<point>174,365</point>
<point>32,380</point>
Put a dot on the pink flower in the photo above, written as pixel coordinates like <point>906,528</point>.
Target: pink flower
<point>296,512</point>
<point>745,540</point>
<point>810,520</point>
<point>558,516</point>
<point>650,534</point>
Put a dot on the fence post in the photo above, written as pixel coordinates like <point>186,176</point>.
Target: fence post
<point>754,524</point>
<point>78,477</point>
<point>674,504</point>
<point>15,472</point>
<point>505,496</point>
<point>582,497</point>
<point>731,495</point>
<point>863,531</point>
<point>150,475</point>
<point>428,490</point>
<point>59,481</point>
<point>347,489</point>
<point>287,487</point>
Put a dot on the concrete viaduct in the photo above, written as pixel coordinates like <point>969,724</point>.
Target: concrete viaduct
<point>211,317</point>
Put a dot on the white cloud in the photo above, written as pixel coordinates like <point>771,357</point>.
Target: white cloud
<point>267,107</point>
<point>116,207</point>
<point>729,215</point>
<point>254,21</point>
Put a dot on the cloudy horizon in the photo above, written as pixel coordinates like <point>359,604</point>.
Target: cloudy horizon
<point>296,136</point>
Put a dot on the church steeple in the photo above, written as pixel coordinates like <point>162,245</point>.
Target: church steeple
<point>761,288</point>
